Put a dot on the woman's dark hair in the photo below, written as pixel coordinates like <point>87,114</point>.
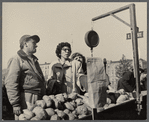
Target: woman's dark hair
<point>84,67</point>
<point>60,46</point>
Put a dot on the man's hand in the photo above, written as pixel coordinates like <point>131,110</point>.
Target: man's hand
<point>17,110</point>
<point>111,91</point>
<point>121,91</point>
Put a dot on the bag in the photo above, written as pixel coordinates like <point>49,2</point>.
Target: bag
<point>97,82</point>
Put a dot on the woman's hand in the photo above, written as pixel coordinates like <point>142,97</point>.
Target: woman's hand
<point>58,81</point>
<point>77,65</point>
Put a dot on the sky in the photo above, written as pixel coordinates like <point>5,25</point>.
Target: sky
<point>56,22</point>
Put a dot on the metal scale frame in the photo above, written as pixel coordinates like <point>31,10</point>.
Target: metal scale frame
<point>134,30</point>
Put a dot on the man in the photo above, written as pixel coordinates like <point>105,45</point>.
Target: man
<point>127,82</point>
<point>24,81</point>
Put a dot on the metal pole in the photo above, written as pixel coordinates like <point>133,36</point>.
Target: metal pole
<point>94,114</point>
<point>112,12</point>
<point>105,63</point>
<point>134,70</point>
<point>91,52</point>
<point>135,50</point>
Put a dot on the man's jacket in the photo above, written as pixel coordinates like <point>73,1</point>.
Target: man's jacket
<point>23,75</point>
<point>127,82</point>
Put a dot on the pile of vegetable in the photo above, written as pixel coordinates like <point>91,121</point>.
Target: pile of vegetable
<point>64,107</point>
<point>121,99</point>
<point>57,107</point>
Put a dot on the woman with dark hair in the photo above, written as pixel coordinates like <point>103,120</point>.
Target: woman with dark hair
<point>66,47</point>
<point>60,71</point>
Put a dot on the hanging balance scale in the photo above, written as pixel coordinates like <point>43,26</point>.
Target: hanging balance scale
<point>92,40</point>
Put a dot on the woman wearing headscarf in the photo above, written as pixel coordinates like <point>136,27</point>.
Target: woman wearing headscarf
<point>79,57</point>
<point>81,81</point>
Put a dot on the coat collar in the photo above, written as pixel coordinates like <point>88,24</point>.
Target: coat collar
<point>23,55</point>
<point>67,64</point>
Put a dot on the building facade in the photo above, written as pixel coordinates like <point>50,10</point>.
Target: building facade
<point>45,70</point>
<point>111,71</point>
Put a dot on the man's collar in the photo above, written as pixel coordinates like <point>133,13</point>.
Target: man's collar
<point>23,55</point>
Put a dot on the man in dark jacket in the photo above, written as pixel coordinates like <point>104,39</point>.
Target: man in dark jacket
<point>127,82</point>
<point>24,81</point>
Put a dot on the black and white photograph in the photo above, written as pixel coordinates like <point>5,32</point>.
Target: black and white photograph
<point>74,61</point>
